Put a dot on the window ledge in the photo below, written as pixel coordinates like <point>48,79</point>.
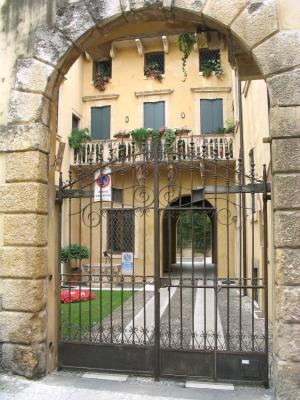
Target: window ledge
<point>211,89</point>
<point>153,92</point>
<point>108,96</point>
<point>149,77</point>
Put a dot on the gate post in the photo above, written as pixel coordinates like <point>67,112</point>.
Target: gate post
<point>156,260</point>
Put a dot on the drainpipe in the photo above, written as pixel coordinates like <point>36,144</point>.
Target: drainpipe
<point>242,156</point>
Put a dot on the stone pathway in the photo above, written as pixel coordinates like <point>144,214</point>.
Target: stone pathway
<point>73,386</point>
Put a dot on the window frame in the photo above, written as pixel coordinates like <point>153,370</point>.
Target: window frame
<point>206,49</point>
<point>103,60</point>
<point>153,53</point>
<point>120,248</point>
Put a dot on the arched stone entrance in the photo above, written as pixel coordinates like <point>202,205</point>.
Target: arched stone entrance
<point>30,340</point>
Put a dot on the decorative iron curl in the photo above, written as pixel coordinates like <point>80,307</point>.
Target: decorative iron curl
<point>228,218</point>
<point>144,196</point>
<point>91,218</point>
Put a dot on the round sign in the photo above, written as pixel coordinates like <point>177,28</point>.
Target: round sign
<point>103,181</point>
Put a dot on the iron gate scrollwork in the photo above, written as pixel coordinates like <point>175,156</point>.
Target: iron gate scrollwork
<point>193,300</point>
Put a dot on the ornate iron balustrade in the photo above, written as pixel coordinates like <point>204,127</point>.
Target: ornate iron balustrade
<point>218,146</point>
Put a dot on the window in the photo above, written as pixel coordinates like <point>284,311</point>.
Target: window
<point>157,59</point>
<point>154,115</point>
<point>100,122</point>
<point>103,67</point>
<point>117,195</point>
<point>208,55</point>
<point>75,121</point>
<point>211,112</point>
<point>120,230</point>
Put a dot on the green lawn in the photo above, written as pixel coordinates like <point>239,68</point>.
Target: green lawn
<point>76,310</point>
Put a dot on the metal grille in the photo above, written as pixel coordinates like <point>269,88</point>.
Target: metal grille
<point>120,231</point>
<point>103,67</point>
<point>208,55</point>
<point>155,59</point>
<point>185,305</point>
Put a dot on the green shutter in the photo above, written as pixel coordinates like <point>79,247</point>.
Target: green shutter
<point>100,123</point>
<point>211,115</point>
<point>154,115</point>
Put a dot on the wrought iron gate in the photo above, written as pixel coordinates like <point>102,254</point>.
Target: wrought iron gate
<point>171,266</point>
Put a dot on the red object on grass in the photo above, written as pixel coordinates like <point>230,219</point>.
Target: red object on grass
<point>75,295</point>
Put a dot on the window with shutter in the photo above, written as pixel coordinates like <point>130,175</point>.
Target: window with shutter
<point>100,122</point>
<point>154,115</point>
<point>211,112</point>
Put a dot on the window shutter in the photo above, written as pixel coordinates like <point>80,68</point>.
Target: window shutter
<point>154,115</point>
<point>100,123</point>
<point>211,115</point>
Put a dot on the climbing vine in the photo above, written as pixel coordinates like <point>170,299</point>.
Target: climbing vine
<point>186,43</point>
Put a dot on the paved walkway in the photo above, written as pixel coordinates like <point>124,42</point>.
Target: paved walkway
<point>73,386</point>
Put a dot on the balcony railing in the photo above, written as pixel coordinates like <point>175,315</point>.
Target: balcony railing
<point>211,146</point>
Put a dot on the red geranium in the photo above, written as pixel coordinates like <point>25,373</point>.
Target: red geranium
<point>75,295</point>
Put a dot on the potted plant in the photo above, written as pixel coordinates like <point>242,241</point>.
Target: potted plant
<point>170,138</point>
<point>122,135</point>
<point>79,136</point>
<point>101,80</point>
<point>210,67</point>
<point>182,131</point>
<point>153,71</point>
<point>71,255</point>
<point>140,135</point>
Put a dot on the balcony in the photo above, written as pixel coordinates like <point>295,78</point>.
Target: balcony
<point>210,146</point>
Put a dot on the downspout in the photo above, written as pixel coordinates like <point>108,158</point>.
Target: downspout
<point>242,156</point>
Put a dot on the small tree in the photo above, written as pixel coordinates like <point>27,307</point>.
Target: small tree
<point>74,252</point>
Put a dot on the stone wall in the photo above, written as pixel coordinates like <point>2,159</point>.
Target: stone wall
<point>267,29</point>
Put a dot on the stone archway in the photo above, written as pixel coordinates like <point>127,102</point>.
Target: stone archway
<point>30,342</point>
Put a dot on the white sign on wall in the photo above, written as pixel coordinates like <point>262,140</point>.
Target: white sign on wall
<point>102,185</point>
<point>127,263</point>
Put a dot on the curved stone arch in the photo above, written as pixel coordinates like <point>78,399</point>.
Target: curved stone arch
<point>54,51</point>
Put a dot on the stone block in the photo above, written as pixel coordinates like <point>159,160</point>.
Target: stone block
<point>286,228</point>
<point>288,342</point>
<point>287,380</point>
<point>287,262</point>
<point>139,4</point>
<point>24,295</point>
<point>29,166</point>
<point>35,76</point>
<point>287,303</point>
<point>28,107</point>
<point>74,20</point>
<point>29,361</point>
<point>195,6</point>
<point>25,229</point>
<point>23,262</point>
<point>24,197</point>
<point>284,89</point>
<point>106,10</point>
<point>286,191</point>
<point>256,22</point>
<point>22,328</point>
<point>223,11</point>
<point>286,155</point>
<point>51,45</point>
<point>25,137</point>
<point>278,52</point>
<point>284,121</point>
